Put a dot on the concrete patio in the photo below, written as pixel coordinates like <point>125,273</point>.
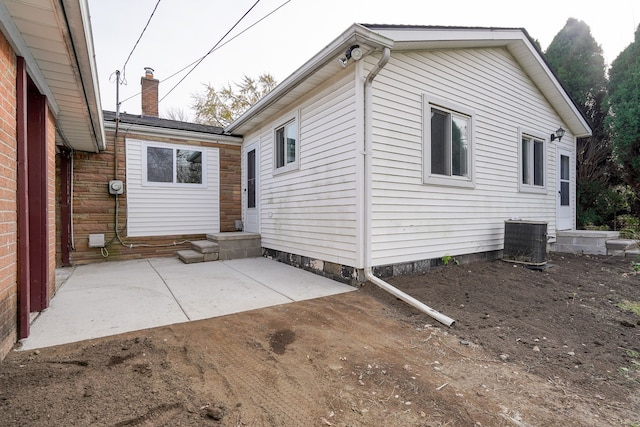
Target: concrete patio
<point>105,299</point>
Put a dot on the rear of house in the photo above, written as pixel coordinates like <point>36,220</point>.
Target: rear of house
<point>418,147</point>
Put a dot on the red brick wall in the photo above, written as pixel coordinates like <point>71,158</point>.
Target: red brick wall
<point>94,207</point>
<point>8,197</point>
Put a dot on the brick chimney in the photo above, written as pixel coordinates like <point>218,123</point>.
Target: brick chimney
<point>149,93</point>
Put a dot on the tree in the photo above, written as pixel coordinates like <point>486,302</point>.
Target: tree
<point>178,114</point>
<point>577,60</point>
<point>223,106</point>
<point>624,96</point>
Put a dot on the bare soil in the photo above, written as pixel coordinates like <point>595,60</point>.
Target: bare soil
<point>529,348</point>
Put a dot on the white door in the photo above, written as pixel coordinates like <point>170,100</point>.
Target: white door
<point>251,188</point>
<point>564,208</point>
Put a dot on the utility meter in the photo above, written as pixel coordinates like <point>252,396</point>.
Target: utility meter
<point>116,187</point>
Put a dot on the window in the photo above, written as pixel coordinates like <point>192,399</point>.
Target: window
<point>447,148</point>
<point>286,146</point>
<point>251,179</point>
<point>532,155</point>
<point>173,165</point>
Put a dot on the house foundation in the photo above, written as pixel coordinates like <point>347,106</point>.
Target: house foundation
<point>356,276</point>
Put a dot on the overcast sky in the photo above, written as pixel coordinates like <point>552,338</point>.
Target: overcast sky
<point>182,31</point>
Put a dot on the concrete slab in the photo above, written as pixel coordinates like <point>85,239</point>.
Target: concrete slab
<point>96,301</point>
<point>295,283</point>
<point>114,297</point>
<point>213,289</point>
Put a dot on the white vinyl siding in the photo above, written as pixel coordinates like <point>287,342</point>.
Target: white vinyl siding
<point>412,220</point>
<point>312,211</point>
<point>171,209</point>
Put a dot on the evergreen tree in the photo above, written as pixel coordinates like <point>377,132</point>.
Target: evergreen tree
<point>577,60</point>
<point>624,96</point>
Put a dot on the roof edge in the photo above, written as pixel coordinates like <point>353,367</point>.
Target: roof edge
<point>355,33</point>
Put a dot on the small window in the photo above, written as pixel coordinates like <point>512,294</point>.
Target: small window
<point>286,146</point>
<point>532,162</point>
<point>447,148</point>
<point>172,165</point>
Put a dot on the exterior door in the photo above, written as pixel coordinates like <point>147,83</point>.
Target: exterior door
<point>251,189</point>
<point>564,207</point>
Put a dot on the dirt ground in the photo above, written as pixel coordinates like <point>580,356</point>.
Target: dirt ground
<point>559,347</point>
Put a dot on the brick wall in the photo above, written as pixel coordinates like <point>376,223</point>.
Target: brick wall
<point>8,197</point>
<point>94,208</point>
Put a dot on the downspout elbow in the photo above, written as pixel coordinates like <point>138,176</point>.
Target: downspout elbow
<point>445,320</point>
<point>386,54</point>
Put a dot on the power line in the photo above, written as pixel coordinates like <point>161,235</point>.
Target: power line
<point>138,41</point>
<point>211,50</point>
<point>221,45</point>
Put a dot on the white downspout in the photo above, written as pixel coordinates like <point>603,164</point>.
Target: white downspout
<point>368,132</point>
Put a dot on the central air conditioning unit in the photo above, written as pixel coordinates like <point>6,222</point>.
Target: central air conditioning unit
<point>525,242</point>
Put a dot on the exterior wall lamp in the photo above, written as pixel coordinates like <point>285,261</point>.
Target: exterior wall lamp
<point>558,135</point>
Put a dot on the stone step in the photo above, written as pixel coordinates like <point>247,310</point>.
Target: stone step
<point>189,256</point>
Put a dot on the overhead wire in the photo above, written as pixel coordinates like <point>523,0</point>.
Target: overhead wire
<point>220,46</point>
<point>124,78</point>
<point>211,50</point>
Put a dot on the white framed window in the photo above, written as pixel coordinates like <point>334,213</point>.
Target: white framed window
<point>448,143</point>
<point>532,162</point>
<point>169,165</point>
<point>286,146</point>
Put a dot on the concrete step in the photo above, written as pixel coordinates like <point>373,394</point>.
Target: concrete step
<point>189,256</point>
<point>584,241</point>
<point>205,246</point>
<point>621,247</point>
<point>237,245</point>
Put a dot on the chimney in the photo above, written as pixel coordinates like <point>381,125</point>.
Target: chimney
<point>149,93</point>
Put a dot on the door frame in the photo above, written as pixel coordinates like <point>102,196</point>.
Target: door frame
<point>251,226</point>
<point>565,215</point>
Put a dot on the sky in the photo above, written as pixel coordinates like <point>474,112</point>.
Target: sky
<point>181,32</point>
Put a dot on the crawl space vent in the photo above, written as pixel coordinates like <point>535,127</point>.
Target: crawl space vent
<point>525,242</point>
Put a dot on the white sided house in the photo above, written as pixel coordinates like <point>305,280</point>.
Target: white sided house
<point>396,146</point>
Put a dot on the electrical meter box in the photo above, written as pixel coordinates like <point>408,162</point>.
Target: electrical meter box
<point>116,187</point>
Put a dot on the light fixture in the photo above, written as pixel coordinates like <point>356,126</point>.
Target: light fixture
<point>558,135</point>
<point>354,52</point>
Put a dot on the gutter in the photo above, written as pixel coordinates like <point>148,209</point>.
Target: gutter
<point>368,136</point>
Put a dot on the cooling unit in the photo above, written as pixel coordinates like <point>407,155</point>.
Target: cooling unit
<point>525,242</point>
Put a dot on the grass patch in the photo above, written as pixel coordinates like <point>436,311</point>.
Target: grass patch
<point>631,306</point>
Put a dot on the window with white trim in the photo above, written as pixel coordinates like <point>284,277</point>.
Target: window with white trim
<point>165,164</point>
<point>286,146</point>
<point>448,138</point>
<point>532,162</point>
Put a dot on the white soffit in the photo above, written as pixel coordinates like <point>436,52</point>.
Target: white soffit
<point>56,35</point>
